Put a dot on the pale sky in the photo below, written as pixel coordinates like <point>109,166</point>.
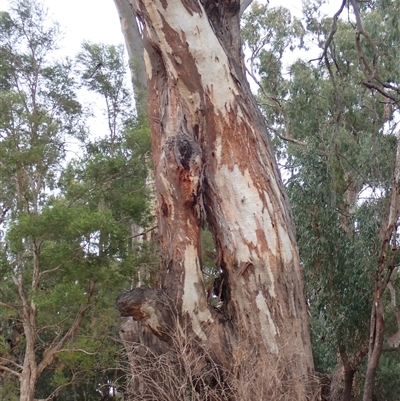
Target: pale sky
<point>92,20</point>
<point>97,21</point>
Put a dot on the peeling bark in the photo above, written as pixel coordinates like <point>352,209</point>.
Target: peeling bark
<point>213,160</point>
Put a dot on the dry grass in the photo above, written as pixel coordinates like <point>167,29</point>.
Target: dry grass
<point>187,372</point>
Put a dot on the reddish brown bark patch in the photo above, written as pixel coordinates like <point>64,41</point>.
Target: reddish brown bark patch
<point>164,207</point>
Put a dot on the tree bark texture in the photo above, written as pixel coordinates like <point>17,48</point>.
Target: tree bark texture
<point>214,163</point>
<point>29,373</point>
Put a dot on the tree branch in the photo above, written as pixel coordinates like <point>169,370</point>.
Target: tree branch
<point>394,340</point>
<point>361,55</point>
<point>134,45</point>
<point>49,271</point>
<point>18,366</point>
<point>8,370</point>
<point>332,33</point>
<point>291,140</point>
<point>8,306</point>
<point>243,6</point>
<point>281,109</point>
<point>142,233</point>
<point>371,72</point>
<point>67,350</point>
<point>50,353</point>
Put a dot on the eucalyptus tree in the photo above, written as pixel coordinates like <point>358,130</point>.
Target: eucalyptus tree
<point>214,162</point>
<point>130,27</point>
<point>337,134</point>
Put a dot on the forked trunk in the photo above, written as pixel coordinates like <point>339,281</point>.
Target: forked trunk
<point>214,162</point>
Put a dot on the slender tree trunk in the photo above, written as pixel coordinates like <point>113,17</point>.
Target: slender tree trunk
<point>134,44</point>
<point>382,278</point>
<point>349,372</point>
<point>213,161</point>
<point>29,373</point>
<point>375,348</point>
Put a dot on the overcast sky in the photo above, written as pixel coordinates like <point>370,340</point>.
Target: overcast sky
<point>92,20</point>
<point>97,21</point>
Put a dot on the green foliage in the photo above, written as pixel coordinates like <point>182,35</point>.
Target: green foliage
<point>9,389</point>
<point>67,239</point>
<point>336,140</point>
<point>387,383</point>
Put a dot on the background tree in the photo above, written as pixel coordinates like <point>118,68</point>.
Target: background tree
<point>63,252</point>
<point>337,140</point>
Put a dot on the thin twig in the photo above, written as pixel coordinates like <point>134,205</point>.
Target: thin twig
<point>13,372</point>
<point>140,234</point>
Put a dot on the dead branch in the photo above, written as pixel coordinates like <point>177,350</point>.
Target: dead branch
<point>291,140</point>
<point>8,370</point>
<point>9,361</point>
<point>67,350</point>
<point>142,233</point>
<point>49,271</point>
<point>332,33</point>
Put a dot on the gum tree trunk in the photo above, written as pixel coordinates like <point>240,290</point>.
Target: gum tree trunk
<point>133,40</point>
<point>214,162</point>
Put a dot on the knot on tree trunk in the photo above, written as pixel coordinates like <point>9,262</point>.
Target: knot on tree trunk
<point>150,307</point>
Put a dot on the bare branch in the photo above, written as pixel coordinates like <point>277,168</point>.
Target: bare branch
<point>243,6</point>
<point>142,233</point>
<point>392,296</point>
<point>11,307</point>
<point>8,370</point>
<point>291,140</point>
<point>277,105</point>
<point>361,32</point>
<point>67,350</point>
<point>379,89</point>
<point>9,361</point>
<point>50,271</point>
<point>394,340</point>
<point>332,33</point>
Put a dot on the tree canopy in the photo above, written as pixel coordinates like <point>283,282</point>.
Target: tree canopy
<point>67,246</point>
